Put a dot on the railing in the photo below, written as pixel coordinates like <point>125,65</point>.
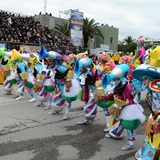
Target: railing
<point>20,45</point>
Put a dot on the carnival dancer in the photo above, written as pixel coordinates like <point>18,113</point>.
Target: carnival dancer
<point>107,65</point>
<point>110,81</point>
<point>90,109</point>
<point>140,54</point>
<point>6,67</point>
<point>148,72</point>
<point>46,78</point>
<point>149,75</point>
<point>20,73</point>
<point>29,77</point>
<point>87,77</point>
<point>123,108</point>
<point>42,93</point>
<point>11,77</point>
<point>67,88</point>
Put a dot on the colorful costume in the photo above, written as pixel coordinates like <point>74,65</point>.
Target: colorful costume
<point>67,89</point>
<point>113,125</point>
<point>23,74</point>
<point>116,57</point>
<point>149,75</point>
<point>46,78</point>
<point>140,51</point>
<point>86,78</point>
<point>6,68</point>
<point>2,54</point>
<point>123,105</point>
<point>106,66</point>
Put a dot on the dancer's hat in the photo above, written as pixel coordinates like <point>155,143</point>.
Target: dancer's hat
<point>118,72</point>
<point>44,54</point>
<point>82,63</point>
<point>16,55</point>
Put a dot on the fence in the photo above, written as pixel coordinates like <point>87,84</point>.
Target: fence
<point>35,47</point>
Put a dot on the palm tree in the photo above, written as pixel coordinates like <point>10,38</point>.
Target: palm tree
<point>63,28</point>
<point>129,40</point>
<point>90,29</point>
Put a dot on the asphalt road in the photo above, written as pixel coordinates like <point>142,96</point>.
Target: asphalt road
<point>29,133</point>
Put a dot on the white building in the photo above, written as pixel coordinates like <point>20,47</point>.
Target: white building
<point>152,41</point>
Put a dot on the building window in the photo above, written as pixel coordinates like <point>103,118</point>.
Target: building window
<point>111,40</point>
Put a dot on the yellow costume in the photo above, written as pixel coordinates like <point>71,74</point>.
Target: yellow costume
<point>107,67</point>
<point>1,78</point>
<point>116,57</point>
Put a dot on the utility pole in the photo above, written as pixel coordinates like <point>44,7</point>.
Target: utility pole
<point>45,2</point>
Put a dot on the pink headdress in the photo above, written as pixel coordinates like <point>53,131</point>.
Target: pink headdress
<point>103,56</point>
<point>72,57</point>
<point>65,58</point>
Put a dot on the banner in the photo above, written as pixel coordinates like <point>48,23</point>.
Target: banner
<point>2,45</point>
<point>29,48</point>
<point>76,27</point>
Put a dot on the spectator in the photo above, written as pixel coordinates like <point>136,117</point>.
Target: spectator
<point>23,30</point>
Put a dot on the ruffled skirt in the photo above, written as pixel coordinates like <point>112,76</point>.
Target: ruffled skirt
<point>131,116</point>
<point>72,95</point>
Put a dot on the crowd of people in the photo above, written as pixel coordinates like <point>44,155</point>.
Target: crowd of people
<point>20,29</point>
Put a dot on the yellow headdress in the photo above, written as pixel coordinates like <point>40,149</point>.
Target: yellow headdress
<point>155,57</point>
<point>33,59</point>
<point>116,57</point>
<point>81,55</point>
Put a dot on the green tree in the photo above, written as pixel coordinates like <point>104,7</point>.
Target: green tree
<point>90,29</point>
<point>63,28</point>
<point>131,47</point>
<point>121,47</point>
<point>129,40</point>
<point>147,46</point>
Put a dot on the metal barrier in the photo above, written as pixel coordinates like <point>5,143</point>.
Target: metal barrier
<point>19,45</point>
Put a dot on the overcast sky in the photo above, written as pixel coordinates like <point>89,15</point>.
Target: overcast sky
<point>132,17</point>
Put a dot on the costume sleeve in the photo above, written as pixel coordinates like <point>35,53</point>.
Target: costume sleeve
<point>62,68</point>
<point>108,97</point>
<point>140,56</point>
<point>22,67</point>
<point>130,98</point>
<point>128,93</point>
